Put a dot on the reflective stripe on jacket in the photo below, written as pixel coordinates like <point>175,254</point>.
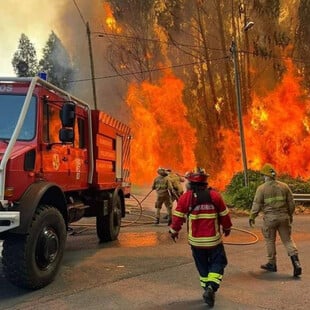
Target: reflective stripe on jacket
<point>274,199</point>
<point>204,220</point>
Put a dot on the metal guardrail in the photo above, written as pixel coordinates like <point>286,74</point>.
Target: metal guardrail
<point>301,197</point>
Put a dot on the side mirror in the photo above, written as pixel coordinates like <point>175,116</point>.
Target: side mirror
<point>66,135</point>
<point>67,115</point>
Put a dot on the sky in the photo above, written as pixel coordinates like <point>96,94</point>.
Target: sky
<point>67,19</point>
<point>34,18</point>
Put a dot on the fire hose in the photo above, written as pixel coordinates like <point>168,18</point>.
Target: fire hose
<point>138,211</point>
<point>255,237</point>
<point>243,243</point>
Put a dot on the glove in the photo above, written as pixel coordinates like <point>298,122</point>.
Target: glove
<point>251,222</point>
<point>226,232</point>
<point>174,235</point>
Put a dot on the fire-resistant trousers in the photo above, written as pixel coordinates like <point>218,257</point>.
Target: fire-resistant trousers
<point>270,229</point>
<point>210,264</point>
<point>166,200</point>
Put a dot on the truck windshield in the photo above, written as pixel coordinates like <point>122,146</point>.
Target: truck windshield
<point>10,107</point>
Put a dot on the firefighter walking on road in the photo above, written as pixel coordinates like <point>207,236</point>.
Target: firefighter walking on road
<point>275,200</point>
<point>163,188</point>
<point>206,213</point>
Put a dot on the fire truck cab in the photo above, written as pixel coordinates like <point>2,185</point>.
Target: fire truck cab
<point>60,161</point>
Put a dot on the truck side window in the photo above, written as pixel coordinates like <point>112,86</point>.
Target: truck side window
<point>52,124</point>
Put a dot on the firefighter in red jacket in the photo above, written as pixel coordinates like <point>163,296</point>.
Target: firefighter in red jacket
<point>206,212</point>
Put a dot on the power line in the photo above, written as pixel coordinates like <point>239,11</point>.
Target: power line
<point>80,13</point>
<point>178,44</point>
<point>273,57</point>
<point>178,66</point>
<point>174,43</point>
<point>146,71</point>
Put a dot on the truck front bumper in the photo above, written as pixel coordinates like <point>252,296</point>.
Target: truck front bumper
<point>9,220</point>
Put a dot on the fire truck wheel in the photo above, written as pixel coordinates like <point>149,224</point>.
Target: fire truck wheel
<point>108,226</point>
<point>32,261</point>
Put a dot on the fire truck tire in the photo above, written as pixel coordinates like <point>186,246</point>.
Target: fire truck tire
<point>32,261</point>
<point>108,226</point>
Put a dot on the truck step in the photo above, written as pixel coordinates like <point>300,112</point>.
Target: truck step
<point>77,205</point>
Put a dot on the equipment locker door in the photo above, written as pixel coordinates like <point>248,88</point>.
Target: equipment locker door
<point>119,158</point>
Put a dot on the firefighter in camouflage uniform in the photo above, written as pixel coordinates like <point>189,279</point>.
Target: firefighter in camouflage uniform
<point>275,200</point>
<point>163,188</point>
<point>205,212</point>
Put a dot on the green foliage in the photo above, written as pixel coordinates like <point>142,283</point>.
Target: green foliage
<point>241,197</point>
<point>56,62</point>
<point>25,53</point>
<point>297,185</point>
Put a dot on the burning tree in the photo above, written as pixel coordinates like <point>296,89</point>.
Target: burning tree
<point>192,39</point>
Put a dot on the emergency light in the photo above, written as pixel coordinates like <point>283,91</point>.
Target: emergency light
<point>42,75</point>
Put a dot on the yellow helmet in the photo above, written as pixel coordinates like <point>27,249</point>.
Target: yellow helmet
<point>268,170</point>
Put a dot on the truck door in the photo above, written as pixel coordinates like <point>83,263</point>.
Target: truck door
<point>78,155</point>
<point>65,164</point>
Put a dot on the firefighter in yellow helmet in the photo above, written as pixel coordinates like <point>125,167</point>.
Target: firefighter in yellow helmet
<point>275,200</point>
<point>163,188</point>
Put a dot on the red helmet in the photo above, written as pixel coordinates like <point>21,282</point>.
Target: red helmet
<point>199,175</point>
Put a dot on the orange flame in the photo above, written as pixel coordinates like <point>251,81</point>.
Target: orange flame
<point>276,130</point>
<point>110,20</point>
<point>162,136</point>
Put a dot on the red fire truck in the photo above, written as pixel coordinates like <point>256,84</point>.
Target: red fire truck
<point>60,161</point>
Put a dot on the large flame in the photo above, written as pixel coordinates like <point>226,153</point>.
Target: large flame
<point>162,136</point>
<point>276,128</point>
<point>276,131</point>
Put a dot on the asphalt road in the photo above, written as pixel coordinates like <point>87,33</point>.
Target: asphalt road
<point>144,269</point>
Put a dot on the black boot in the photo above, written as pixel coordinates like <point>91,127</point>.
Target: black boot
<point>209,296</point>
<point>296,265</point>
<point>269,267</point>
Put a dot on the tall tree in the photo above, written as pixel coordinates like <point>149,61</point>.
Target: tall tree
<point>25,58</point>
<point>56,62</point>
<point>302,41</point>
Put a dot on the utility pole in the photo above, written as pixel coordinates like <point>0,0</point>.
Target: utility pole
<point>233,50</point>
<point>92,70</point>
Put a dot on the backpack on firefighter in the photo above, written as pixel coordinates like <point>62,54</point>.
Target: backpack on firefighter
<point>176,181</point>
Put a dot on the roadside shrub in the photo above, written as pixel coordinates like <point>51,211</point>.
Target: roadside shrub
<point>297,185</point>
<point>239,196</point>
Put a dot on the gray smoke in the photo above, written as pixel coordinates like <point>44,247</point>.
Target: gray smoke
<point>71,29</point>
